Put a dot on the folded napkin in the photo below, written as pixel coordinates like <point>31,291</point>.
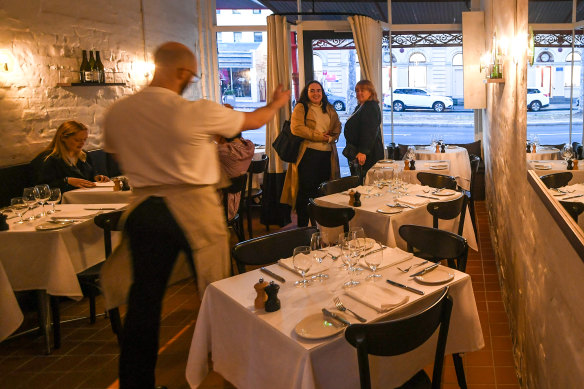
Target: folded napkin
<point>105,184</point>
<point>378,298</point>
<point>413,200</point>
<point>441,165</point>
<point>364,190</point>
<point>316,267</point>
<point>391,256</point>
<point>74,214</point>
<point>542,165</point>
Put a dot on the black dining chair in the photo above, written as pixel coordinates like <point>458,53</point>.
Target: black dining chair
<point>574,208</point>
<point>253,195</point>
<point>556,180</point>
<point>448,210</point>
<point>235,223</point>
<point>437,180</point>
<point>475,162</point>
<point>329,216</point>
<point>436,245</point>
<point>396,337</point>
<point>269,248</point>
<point>338,185</point>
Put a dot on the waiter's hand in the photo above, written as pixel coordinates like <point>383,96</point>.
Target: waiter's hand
<point>361,158</point>
<point>280,97</point>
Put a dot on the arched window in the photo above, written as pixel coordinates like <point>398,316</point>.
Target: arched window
<point>457,60</point>
<point>574,58</point>
<point>417,71</point>
<point>545,56</point>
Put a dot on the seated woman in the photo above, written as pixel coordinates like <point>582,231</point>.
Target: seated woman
<point>64,164</point>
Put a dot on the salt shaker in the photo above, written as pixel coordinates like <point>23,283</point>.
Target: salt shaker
<point>357,202</point>
<point>273,303</point>
<point>351,198</point>
<point>260,300</point>
<point>412,164</point>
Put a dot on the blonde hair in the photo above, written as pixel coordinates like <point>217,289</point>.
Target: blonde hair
<point>57,146</point>
<point>368,85</point>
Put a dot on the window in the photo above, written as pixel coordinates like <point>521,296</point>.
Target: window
<point>574,59</point>
<point>417,72</point>
<point>237,36</point>
<point>258,37</point>
<point>236,11</point>
<point>457,60</point>
<point>257,11</point>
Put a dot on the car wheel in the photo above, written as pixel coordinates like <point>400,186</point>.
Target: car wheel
<point>535,106</point>
<point>438,106</point>
<point>398,106</point>
<point>339,106</point>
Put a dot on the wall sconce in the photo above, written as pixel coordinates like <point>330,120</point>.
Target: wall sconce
<point>143,69</point>
<point>492,62</point>
<point>6,61</point>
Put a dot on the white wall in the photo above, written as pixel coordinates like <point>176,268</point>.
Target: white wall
<point>44,36</point>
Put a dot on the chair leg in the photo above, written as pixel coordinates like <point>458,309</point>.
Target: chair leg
<point>472,214</point>
<point>249,230</point>
<point>56,315</point>
<point>460,377</point>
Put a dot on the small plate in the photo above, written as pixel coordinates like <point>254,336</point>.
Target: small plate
<point>386,161</point>
<point>316,326</point>
<point>451,147</point>
<point>438,276</point>
<point>445,192</point>
<point>53,225</point>
<point>542,167</point>
<point>438,167</point>
<point>390,211</point>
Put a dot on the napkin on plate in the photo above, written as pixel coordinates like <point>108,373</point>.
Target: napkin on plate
<point>542,165</point>
<point>316,267</point>
<point>376,297</point>
<point>391,256</point>
<point>441,165</point>
<point>74,214</point>
<point>413,200</point>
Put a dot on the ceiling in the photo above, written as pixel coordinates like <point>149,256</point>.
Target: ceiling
<point>403,11</point>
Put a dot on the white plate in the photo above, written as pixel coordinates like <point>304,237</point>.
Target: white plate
<point>316,326</point>
<point>390,211</point>
<point>386,161</point>
<point>54,225</point>
<point>543,167</point>
<point>439,167</point>
<point>445,192</point>
<point>451,147</point>
<point>438,276</point>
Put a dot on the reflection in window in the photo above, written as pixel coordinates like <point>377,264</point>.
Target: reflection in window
<point>457,60</point>
<point>257,37</point>
<point>417,70</point>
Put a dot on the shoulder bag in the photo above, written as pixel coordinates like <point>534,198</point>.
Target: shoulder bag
<point>287,144</point>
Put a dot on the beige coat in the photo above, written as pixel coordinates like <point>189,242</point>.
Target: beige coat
<point>297,127</point>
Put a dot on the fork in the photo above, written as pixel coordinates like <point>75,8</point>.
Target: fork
<point>411,266</point>
<point>342,308</point>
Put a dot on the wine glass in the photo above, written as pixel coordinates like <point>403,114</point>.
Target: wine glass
<point>567,152</point>
<point>30,199</point>
<point>354,251</point>
<point>42,194</point>
<point>373,260</point>
<point>18,206</point>
<point>54,198</point>
<point>302,262</point>
<point>318,244</point>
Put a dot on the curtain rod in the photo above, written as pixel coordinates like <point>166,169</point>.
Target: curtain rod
<point>320,14</point>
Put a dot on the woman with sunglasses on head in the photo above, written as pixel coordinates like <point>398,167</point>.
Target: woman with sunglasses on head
<point>315,120</point>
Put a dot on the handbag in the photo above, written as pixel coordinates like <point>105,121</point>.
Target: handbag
<point>287,144</point>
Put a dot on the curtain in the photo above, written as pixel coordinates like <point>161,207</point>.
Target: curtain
<point>367,35</point>
<point>279,72</point>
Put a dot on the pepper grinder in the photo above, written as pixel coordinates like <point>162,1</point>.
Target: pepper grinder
<point>357,202</point>
<point>570,165</point>
<point>273,303</point>
<point>437,147</point>
<point>412,164</point>
<point>3,224</point>
<point>442,148</point>
<point>406,165</point>
<point>351,198</point>
<point>260,300</point>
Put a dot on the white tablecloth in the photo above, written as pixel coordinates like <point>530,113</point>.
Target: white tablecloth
<point>103,193</point>
<point>10,314</point>
<point>459,163</point>
<point>544,154</point>
<point>408,175</point>
<point>50,260</point>
<point>256,349</point>
<point>557,166</point>
<point>385,228</point>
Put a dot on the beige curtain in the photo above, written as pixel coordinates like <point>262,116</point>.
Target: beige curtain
<point>279,72</point>
<point>367,35</point>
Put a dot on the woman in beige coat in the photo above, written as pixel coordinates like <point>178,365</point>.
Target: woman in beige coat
<point>315,120</point>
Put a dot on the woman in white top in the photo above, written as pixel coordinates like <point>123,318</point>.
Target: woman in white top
<point>315,120</point>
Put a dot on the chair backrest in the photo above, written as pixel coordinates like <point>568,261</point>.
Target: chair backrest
<point>574,208</point>
<point>448,210</point>
<point>269,248</point>
<point>578,149</point>
<point>438,244</point>
<point>338,185</point>
<point>330,217</point>
<point>237,186</point>
<point>437,180</point>
<point>108,222</point>
<point>475,161</point>
<point>255,167</point>
<point>556,180</point>
<point>400,336</point>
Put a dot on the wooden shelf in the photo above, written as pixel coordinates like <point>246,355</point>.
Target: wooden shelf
<point>65,84</point>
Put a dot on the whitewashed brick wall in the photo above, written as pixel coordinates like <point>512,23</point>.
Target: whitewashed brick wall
<point>45,36</point>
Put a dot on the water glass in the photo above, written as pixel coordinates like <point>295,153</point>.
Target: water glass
<point>30,199</point>
<point>373,260</point>
<point>302,261</point>
<point>19,206</point>
<point>567,152</point>
<point>318,245</point>
<point>54,198</point>
<point>354,248</point>
<point>42,194</point>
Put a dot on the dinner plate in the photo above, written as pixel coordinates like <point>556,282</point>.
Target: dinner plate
<point>315,326</point>
<point>543,167</point>
<point>438,276</point>
<point>438,167</point>
<point>390,211</point>
<point>451,147</point>
<point>445,192</point>
<point>386,161</point>
<point>53,225</point>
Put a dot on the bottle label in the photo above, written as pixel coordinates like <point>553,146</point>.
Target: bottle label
<point>88,76</point>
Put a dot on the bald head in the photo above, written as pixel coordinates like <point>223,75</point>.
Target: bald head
<point>175,66</point>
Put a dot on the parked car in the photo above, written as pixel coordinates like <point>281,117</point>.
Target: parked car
<point>405,98</point>
<point>536,99</point>
<point>339,102</point>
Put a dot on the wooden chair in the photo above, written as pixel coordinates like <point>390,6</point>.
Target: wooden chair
<point>328,216</point>
<point>235,223</point>
<point>338,185</point>
<point>396,337</point>
<point>573,208</point>
<point>475,162</point>
<point>448,210</point>
<point>269,248</point>
<point>437,180</point>
<point>252,194</point>
<point>437,245</point>
<point>556,180</point>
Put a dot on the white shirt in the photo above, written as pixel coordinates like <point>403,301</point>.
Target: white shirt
<point>160,138</point>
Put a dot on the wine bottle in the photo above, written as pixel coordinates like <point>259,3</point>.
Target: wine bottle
<point>92,75</point>
<point>99,68</point>
<point>83,68</point>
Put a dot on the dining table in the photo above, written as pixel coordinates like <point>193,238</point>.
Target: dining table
<point>45,254</point>
<point>545,167</point>
<point>428,166</point>
<point>544,153</point>
<point>574,192</point>
<point>459,162</point>
<point>10,314</point>
<point>101,193</point>
<point>381,222</point>
<point>297,347</point>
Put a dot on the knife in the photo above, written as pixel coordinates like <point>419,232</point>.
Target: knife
<point>572,197</point>
<point>428,197</point>
<point>328,313</point>
<point>425,270</point>
<point>272,274</point>
<point>413,290</point>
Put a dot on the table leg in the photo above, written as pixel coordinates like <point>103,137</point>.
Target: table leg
<point>44,318</point>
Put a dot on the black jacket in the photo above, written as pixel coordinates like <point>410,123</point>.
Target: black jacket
<point>362,131</point>
<point>53,171</point>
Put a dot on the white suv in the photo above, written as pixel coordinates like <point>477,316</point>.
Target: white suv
<point>404,98</point>
<point>536,99</point>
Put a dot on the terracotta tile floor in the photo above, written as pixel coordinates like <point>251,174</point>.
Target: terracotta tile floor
<point>88,357</point>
